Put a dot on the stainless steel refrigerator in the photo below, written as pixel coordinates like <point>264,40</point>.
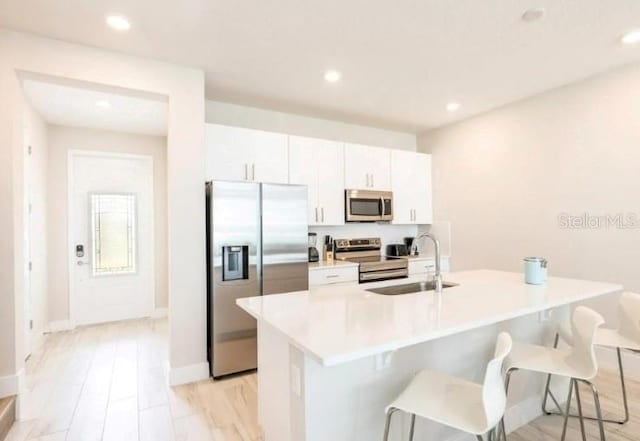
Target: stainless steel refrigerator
<point>256,245</point>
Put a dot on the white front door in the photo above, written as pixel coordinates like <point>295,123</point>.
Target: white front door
<point>111,237</point>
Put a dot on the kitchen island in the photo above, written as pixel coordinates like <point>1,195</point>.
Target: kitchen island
<point>330,359</point>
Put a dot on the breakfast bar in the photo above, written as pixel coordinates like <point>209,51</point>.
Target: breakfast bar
<point>330,359</point>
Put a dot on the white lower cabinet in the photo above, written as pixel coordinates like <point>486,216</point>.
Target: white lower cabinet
<point>332,275</point>
<point>424,265</point>
<point>319,164</point>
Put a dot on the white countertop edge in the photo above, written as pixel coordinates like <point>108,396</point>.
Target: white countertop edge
<point>392,346</point>
<point>323,265</point>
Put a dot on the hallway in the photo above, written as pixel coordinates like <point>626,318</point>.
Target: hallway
<point>109,382</point>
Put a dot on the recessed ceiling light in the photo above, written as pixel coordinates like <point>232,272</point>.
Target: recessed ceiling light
<point>632,37</point>
<point>103,104</point>
<point>118,22</point>
<point>533,14</point>
<point>453,106</point>
<point>332,76</point>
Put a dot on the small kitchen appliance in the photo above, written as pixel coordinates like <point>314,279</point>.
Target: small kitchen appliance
<point>368,206</point>
<point>314,256</point>
<point>413,251</point>
<point>535,270</point>
<point>397,250</point>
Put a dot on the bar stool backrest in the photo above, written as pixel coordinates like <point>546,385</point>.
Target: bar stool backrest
<point>629,316</point>
<point>494,398</point>
<point>584,324</point>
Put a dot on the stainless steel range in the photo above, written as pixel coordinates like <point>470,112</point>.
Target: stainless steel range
<point>373,266</point>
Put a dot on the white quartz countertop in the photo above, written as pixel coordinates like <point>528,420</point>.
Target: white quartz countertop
<point>323,264</point>
<point>337,324</point>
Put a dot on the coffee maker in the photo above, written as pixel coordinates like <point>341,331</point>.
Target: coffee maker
<point>314,256</point>
<point>409,242</point>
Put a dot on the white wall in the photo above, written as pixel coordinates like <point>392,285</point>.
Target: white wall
<point>63,139</point>
<point>36,136</point>
<point>184,88</point>
<point>272,121</point>
<point>503,178</point>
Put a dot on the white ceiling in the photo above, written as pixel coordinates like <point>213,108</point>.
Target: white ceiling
<point>72,106</point>
<point>401,61</point>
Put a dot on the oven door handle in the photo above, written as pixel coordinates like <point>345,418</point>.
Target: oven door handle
<point>381,275</point>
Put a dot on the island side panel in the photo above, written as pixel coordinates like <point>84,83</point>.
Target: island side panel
<point>274,413</point>
<point>346,402</point>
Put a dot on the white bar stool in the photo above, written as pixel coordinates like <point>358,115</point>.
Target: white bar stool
<point>627,337</point>
<point>473,408</point>
<point>577,364</point>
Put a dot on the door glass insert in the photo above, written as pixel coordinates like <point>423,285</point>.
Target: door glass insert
<point>113,228</point>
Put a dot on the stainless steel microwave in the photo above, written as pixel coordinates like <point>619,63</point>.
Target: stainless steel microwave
<point>368,206</point>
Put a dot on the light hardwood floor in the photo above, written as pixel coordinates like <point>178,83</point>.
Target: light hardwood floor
<point>108,382</point>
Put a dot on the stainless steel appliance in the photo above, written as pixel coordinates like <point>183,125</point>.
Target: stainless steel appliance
<point>368,206</point>
<point>372,266</point>
<point>397,249</point>
<point>256,245</point>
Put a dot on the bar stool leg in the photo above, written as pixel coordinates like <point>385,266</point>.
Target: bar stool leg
<point>624,388</point>
<point>412,427</point>
<point>387,423</point>
<point>502,434</point>
<point>546,389</point>
<point>596,400</point>
<point>579,403</point>
<point>566,413</point>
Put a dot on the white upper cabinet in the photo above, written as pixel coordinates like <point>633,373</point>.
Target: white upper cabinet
<point>239,154</point>
<point>319,164</point>
<point>367,168</point>
<point>411,185</point>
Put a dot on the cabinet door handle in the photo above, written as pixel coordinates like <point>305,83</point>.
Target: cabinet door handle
<point>372,184</point>
<point>414,214</point>
<point>322,214</point>
<point>332,276</point>
<point>253,172</point>
<point>246,171</point>
<point>367,180</point>
<point>316,214</point>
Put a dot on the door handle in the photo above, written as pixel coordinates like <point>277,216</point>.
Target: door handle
<point>316,214</point>
<point>81,262</point>
<point>253,172</point>
<point>322,214</point>
<point>372,183</point>
<point>246,171</point>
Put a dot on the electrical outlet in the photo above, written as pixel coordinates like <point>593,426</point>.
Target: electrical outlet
<point>383,361</point>
<point>296,380</point>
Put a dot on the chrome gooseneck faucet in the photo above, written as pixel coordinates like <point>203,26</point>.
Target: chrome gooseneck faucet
<point>436,243</point>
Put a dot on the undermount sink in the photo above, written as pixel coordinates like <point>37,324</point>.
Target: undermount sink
<point>409,288</point>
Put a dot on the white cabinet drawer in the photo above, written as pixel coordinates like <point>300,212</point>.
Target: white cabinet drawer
<point>422,266</point>
<point>326,276</point>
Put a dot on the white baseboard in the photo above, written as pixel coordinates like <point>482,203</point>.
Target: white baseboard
<point>61,325</point>
<point>11,384</point>
<point>608,359</point>
<point>188,374</point>
<point>159,313</point>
